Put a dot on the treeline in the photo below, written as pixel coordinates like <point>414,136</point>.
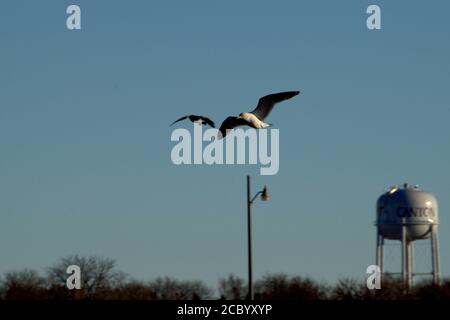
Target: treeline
<point>101,280</point>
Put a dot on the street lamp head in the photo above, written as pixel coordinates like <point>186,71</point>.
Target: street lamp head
<point>265,194</point>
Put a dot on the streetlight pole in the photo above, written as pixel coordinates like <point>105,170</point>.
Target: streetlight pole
<point>265,197</point>
<point>249,240</point>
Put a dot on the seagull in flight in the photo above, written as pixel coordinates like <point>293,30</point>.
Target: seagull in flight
<point>201,120</point>
<point>255,119</point>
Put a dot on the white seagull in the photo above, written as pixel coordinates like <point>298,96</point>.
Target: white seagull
<point>255,119</point>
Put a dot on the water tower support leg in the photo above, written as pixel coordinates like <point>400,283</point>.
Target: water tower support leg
<point>404,255</point>
<point>380,254</point>
<point>435,254</point>
<point>410,261</point>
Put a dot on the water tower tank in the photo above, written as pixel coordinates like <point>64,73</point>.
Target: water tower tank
<point>416,208</point>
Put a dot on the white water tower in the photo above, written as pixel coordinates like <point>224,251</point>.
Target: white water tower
<point>408,214</point>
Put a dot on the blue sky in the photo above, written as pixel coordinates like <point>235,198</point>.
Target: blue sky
<point>85,144</point>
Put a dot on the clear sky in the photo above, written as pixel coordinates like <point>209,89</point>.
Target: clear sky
<point>85,139</point>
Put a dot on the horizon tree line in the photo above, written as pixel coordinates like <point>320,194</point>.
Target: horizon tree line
<point>100,280</point>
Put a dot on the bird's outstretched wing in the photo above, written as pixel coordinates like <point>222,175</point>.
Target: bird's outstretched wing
<point>266,103</point>
<point>208,121</point>
<point>197,119</point>
<point>182,118</point>
<point>231,123</point>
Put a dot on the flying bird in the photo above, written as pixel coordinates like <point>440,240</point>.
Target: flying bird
<point>255,119</point>
<point>202,120</point>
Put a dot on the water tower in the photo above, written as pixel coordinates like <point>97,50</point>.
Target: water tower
<point>408,214</point>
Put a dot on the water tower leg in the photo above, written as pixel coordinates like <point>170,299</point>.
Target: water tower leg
<point>404,255</point>
<point>380,254</point>
<point>410,262</point>
<point>435,254</point>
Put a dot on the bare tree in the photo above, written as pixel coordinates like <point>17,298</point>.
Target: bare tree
<point>348,289</point>
<point>280,286</point>
<point>132,290</point>
<point>172,289</point>
<point>429,291</point>
<point>232,287</point>
<point>23,284</point>
<point>97,274</point>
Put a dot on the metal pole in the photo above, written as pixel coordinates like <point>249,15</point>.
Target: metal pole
<point>249,235</point>
<point>377,256</point>
<point>409,263</point>
<point>380,254</point>
<point>435,254</point>
<point>411,257</point>
<point>404,254</point>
